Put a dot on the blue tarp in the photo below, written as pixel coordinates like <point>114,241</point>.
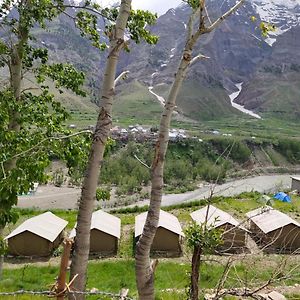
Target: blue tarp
<point>283,197</point>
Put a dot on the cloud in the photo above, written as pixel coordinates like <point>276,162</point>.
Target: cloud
<point>158,6</point>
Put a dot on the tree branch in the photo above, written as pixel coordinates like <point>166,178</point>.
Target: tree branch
<point>198,57</point>
<point>224,16</point>
<point>123,75</point>
<point>46,139</point>
<point>191,24</point>
<point>143,163</point>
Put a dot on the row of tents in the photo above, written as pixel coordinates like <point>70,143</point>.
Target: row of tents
<point>40,235</point>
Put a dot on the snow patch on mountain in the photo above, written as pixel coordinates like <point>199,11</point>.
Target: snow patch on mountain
<point>284,14</point>
<point>239,107</point>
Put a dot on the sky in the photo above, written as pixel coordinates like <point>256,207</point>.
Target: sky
<point>158,6</point>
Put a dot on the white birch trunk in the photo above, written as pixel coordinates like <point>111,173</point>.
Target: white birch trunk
<point>143,269</point>
<point>144,272</point>
<point>100,136</point>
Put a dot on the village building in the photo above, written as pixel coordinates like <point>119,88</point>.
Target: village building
<point>274,230</point>
<point>104,235</point>
<point>37,236</point>
<point>234,235</point>
<point>168,237</point>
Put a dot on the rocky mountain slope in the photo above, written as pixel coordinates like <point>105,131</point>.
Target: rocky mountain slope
<point>269,68</point>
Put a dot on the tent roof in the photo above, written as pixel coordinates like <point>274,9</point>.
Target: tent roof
<point>166,220</point>
<point>216,217</point>
<point>296,178</point>
<point>269,219</point>
<point>46,225</point>
<point>282,197</point>
<point>104,222</point>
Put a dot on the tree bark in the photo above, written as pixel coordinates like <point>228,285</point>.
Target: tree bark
<point>64,262</point>
<point>196,259</point>
<point>144,272</point>
<point>100,136</point>
<point>1,256</point>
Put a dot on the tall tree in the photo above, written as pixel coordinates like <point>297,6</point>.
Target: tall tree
<point>195,29</point>
<point>135,22</point>
<point>31,118</point>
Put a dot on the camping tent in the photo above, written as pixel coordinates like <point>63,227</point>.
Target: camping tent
<point>274,230</point>
<point>105,233</point>
<point>167,240</point>
<point>234,235</point>
<point>295,183</point>
<point>282,197</point>
<point>37,236</point>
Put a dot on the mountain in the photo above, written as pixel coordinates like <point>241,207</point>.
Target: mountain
<point>269,68</point>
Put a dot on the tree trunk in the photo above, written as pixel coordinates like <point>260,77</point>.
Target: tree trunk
<point>1,255</point>
<point>64,263</point>
<point>144,272</point>
<point>196,259</point>
<point>100,136</point>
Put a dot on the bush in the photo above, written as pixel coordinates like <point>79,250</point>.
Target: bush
<point>234,149</point>
<point>58,177</point>
<point>103,194</point>
<point>290,149</point>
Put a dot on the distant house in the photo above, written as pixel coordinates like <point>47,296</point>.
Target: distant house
<point>167,240</point>
<point>105,233</point>
<point>274,230</point>
<point>234,235</point>
<point>295,183</point>
<point>124,131</point>
<point>37,236</point>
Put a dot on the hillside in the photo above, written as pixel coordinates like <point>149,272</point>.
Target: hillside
<point>268,67</point>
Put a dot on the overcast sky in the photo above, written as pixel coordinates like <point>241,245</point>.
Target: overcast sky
<point>158,6</point>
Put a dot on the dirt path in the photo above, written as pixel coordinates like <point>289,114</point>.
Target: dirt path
<point>51,197</point>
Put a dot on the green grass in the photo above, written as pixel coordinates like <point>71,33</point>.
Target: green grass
<point>135,104</point>
<point>111,276</point>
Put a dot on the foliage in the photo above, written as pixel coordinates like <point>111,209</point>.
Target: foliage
<point>31,123</point>
<point>137,25</point>
<point>236,150</point>
<point>194,4</point>
<point>290,149</point>
<point>102,194</point>
<point>206,237</point>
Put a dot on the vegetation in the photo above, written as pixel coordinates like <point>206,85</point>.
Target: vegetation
<point>171,278</point>
<point>171,274</point>
<point>191,161</point>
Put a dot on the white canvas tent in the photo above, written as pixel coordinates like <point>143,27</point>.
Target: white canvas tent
<point>234,234</point>
<point>37,236</point>
<point>274,229</point>
<point>295,183</point>
<point>167,240</point>
<point>105,233</point>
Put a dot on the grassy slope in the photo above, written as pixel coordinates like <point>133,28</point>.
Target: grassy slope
<point>135,104</point>
<point>274,95</point>
<point>200,102</point>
